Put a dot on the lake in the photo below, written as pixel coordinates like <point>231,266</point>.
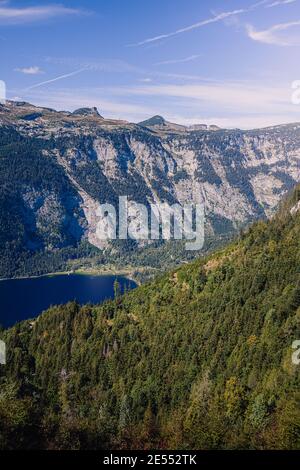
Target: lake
<point>21,299</point>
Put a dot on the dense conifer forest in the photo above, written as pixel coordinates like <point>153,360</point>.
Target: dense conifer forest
<point>200,358</point>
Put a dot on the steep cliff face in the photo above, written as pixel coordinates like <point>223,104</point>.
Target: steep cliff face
<point>237,175</point>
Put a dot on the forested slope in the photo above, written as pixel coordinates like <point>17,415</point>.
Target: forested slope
<point>200,358</point>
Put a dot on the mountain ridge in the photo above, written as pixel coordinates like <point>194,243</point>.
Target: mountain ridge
<point>58,167</point>
<point>161,124</point>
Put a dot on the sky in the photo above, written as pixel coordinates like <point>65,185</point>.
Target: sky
<point>231,63</point>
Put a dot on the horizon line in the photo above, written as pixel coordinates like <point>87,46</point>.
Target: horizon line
<point>148,118</point>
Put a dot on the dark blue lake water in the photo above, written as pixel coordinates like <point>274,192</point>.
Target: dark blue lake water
<point>21,299</point>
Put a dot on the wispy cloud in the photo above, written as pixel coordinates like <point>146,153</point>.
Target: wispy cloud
<point>121,67</point>
<point>226,15</point>
<point>272,35</point>
<point>280,2</point>
<point>96,65</point>
<point>179,61</point>
<point>213,19</point>
<point>233,95</point>
<point>17,15</point>
<point>230,104</point>
<point>33,70</point>
<point>56,79</point>
<point>270,4</point>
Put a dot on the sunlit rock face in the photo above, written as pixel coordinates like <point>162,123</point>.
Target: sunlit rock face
<point>83,160</point>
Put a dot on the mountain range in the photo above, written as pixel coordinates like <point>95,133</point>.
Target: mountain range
<point>56,167</point>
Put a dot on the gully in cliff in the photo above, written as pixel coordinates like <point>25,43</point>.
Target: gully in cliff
<point>134,221</point>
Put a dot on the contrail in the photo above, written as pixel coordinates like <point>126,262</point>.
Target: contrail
<point>61,77</point>
<point>179,61</point>
<point>213,19</point>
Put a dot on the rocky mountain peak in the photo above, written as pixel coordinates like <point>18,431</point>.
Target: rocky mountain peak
<point>153,121</point>
<point>87,112</point>
<point>159,123</point>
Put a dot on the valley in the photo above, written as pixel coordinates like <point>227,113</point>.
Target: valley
<point>57,167</point>
<point>199,358</point>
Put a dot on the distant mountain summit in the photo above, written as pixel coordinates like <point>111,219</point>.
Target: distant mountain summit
<point>159,123</point>
<point>87,112</point>
<point>154,121</point>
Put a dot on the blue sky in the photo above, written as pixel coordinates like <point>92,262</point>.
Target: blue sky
<point>230,62</point>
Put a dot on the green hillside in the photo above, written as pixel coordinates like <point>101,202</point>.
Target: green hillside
<point>200,358</point>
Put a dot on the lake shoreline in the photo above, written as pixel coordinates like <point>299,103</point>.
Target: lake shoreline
<point>30,296</point>
<point>84,272</point>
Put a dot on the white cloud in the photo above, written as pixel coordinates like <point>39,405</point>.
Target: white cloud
<point>179,61</point>
<point>272,35</point>
<point>227,104</point>
<point>17,15</point>
<point>238,121</point>
<point>258,4</point>
<point>280,2</point>
<point>120,66</point>
<point>33,70</point>
<point>227,96</point>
